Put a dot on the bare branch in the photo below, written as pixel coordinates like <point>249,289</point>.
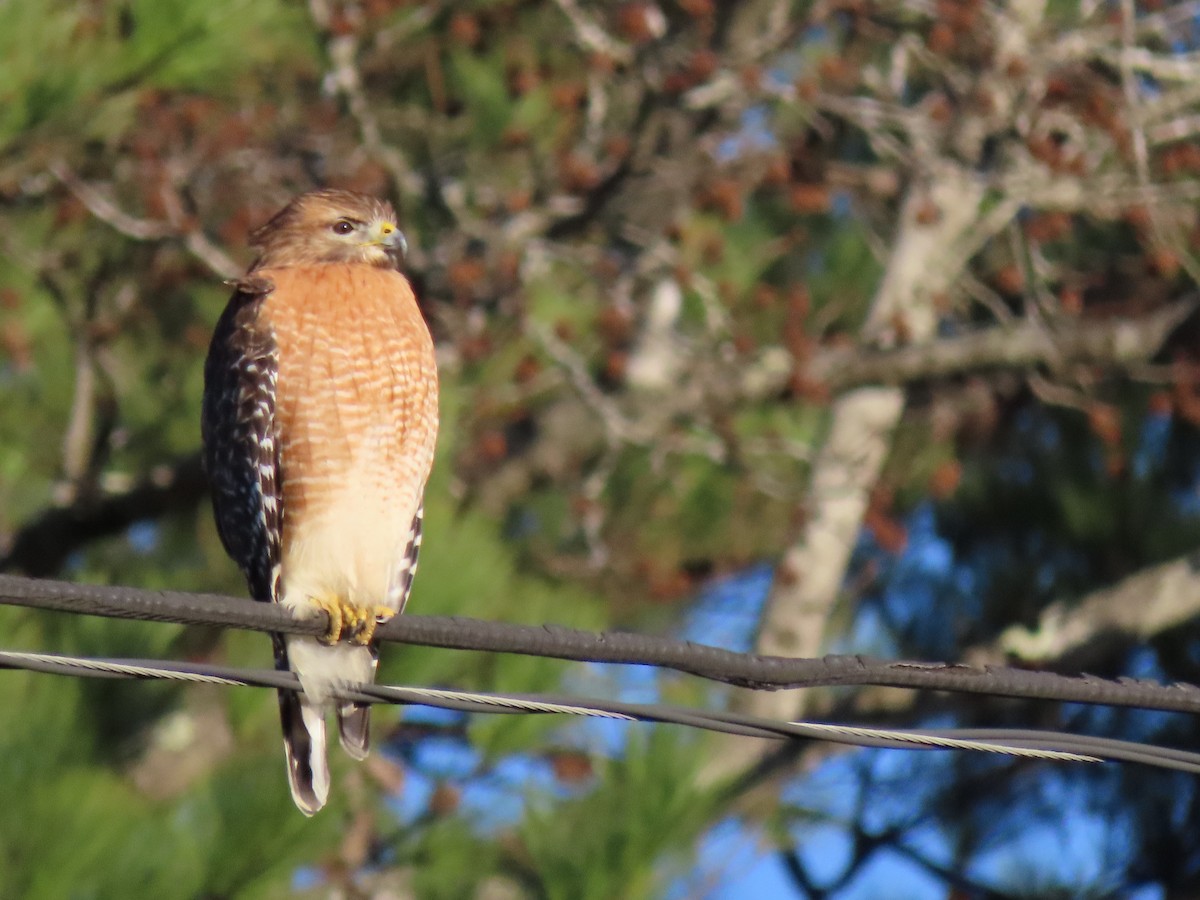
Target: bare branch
<point>617,429</point>
<point>100,206</point>
<point>41,546</point>
<point>107,211</point>
<point>345,79</point>
<point>1136,609</point>
<point>1026,344</point>
<point>592,37</point>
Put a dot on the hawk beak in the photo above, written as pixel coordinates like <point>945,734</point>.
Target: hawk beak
<point>391,238</point>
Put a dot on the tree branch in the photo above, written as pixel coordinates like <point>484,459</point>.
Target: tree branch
<point>1026,345</point>
<point>41,546</point>
<point>1084,632</point>
<point>104,209</point>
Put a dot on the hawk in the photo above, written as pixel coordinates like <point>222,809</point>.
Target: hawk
<point>319,422</point>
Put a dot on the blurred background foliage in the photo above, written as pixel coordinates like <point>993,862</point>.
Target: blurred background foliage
<point>653,240</point>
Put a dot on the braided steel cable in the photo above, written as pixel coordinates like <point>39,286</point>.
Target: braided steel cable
<point>741,669</point>
<point>1048,745</point>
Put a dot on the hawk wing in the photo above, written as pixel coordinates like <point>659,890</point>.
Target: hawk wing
<point>242,456</point>
<point>407,570</point>
<point>241,446</point>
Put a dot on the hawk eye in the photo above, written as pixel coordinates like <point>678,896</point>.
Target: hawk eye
<point>343,227</point>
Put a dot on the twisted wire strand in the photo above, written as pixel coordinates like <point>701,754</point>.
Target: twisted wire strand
<point>1015,742</point>
<point>713,663</point>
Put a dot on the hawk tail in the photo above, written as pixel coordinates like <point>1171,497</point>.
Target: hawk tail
<point>321,668</point>
<point>304,743</point>
<point>354,719</point>
<point>354,728</point>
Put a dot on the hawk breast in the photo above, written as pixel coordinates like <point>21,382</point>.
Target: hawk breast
<point>356,413</point>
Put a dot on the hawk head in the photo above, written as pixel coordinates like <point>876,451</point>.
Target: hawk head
<point>330,226</point>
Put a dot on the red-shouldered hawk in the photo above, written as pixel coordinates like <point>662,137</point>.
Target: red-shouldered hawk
<point>319,422</point>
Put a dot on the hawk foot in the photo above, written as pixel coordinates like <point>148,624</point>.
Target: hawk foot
<point>372,619</point>
<point>348,620</point>
<point>341,615</point>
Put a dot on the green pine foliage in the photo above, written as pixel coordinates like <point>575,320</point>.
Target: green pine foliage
<point>550,182</point>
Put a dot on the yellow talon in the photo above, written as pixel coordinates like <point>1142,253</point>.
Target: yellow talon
<point>353,622</point>
<point>335,608</point>
<point>365,633</point>
<point>371,619</point>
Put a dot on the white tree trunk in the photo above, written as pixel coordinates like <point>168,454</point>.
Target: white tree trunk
<point>926,259</point>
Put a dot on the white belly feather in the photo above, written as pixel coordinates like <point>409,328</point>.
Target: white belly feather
<point>355,549</point>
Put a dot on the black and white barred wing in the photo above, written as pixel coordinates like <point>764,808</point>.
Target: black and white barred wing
<point>241,446</point>
<point>406,567</point>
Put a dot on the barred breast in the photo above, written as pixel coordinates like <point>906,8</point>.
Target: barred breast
<point>357,421</point>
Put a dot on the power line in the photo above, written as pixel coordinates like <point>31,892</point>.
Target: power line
<point>741,669</point>
<point>563,643</point>
<point>1015,742</point>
